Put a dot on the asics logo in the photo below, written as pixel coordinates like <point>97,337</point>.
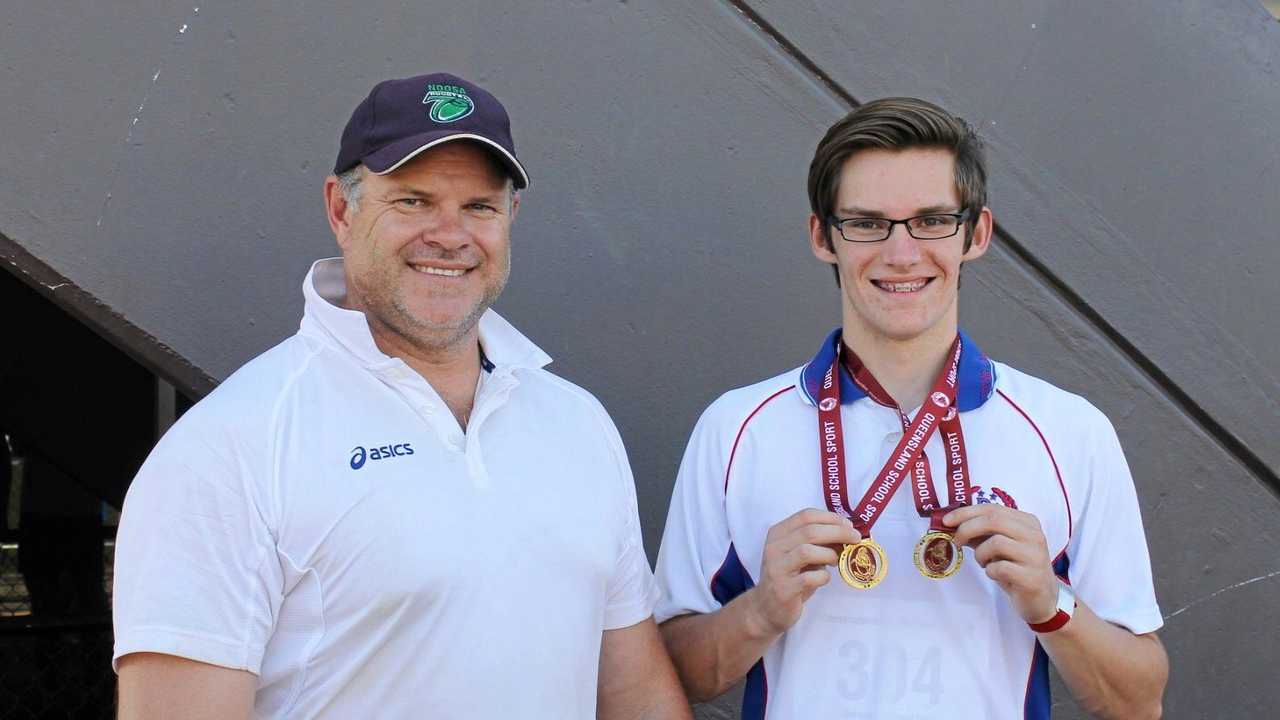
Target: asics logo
<point>359,455</point>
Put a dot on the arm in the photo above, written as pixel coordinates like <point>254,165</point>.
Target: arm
<point>195,592</point>
<point>713,651</point>
<point>1110,671</point>
<point>636,678</point>
<point>173,688</point>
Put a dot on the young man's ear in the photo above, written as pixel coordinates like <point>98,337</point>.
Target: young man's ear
<point>820,240</point>
<point>980,240</point>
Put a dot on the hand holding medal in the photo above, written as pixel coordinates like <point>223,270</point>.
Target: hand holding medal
<point>1010,546</point>
<point>792,565</point>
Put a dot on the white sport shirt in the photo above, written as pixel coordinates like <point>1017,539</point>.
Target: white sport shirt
<point>910,647</point>
<point>322,521</point>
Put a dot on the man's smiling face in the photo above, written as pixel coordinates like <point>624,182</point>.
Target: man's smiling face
<point>427,248</point>
<point>901,288</point>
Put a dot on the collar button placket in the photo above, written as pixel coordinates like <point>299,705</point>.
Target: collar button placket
<point>493,395</point>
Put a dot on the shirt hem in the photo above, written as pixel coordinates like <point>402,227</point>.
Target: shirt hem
<point>1139,624</point>
<point>627,615</point>
<point>192,646</point>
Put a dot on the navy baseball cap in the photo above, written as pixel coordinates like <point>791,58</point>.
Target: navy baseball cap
<point>402,118</point>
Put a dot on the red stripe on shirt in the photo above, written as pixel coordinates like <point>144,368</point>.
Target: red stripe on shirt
<point>742,428</point>
<point>1049,450</point>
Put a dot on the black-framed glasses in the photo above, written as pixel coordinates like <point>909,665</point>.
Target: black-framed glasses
<point>933,226</point>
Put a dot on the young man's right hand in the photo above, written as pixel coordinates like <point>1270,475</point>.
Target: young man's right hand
<point>797,553</point>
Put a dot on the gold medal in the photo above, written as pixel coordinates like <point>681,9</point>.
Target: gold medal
<point>937,556</point>
<point>863,564</point>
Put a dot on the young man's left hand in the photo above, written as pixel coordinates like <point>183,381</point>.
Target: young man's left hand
<point>1010,545</point>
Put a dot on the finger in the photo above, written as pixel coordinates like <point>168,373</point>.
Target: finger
<point>1025,529</point>
<point>782,561</point>
<point>814,516</point>
<point>823,534</point>
<point>1004,519</point>
<point>808,516</point>
<point>809,555</point>
<point>968,512</point>
<point>973,530</point>
<point>813,579</point>
<point>1004,573</point>
<point>1016,579</point>
<point>1003,547</point>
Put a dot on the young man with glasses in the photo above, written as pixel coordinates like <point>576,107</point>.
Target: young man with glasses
<point>1016,539</point>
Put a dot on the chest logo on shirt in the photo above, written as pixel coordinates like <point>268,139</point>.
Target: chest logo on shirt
<point>994,495</point>
<point>359,455</point>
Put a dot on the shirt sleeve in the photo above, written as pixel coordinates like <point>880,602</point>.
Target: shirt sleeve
<point>1110,568</point>
<point>196,573</point>
<point>697,555</point>
<point>631,592</point>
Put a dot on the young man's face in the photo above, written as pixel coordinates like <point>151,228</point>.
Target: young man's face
<point>899,289</point>
<point>427,249</point>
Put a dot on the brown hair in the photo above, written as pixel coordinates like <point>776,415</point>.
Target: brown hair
<point>899,123</point>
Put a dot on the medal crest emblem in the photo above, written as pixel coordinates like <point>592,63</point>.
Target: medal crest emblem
<point>863,564</point>
<point>937,556</point>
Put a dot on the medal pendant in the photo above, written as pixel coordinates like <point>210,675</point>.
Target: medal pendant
<point>863,564</point>
<point>937,556</point>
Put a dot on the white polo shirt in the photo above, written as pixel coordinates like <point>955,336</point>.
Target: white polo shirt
<point>322,521</point>
<point>910,647</point>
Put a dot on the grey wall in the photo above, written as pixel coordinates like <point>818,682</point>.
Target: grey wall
<point>167,160</point>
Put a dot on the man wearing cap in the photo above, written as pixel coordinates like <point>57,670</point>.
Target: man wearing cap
<point>902,527</point>
<point>397,512</point>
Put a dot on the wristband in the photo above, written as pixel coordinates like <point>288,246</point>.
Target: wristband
<point>1066,607</point>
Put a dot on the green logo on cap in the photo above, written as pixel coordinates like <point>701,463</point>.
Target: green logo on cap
<point>447,103</point>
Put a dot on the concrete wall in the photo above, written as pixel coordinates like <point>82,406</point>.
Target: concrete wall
<point>167,160</point>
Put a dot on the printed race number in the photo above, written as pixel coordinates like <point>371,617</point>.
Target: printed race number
<point>870,681</point>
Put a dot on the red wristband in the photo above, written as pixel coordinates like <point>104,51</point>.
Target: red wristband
<point>1059,619</point>
<point>1066,607</point>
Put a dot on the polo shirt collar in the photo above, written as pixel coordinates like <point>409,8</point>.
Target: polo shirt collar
<point>325,291</point>
<point>976,376</point>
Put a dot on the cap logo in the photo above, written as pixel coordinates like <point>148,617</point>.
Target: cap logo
<point>447,103</point>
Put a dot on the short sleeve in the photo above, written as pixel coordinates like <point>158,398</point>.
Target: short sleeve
<point>196,573</point>
<point>1110,568</point>
<point>631,591</point>
<point>696,547</point>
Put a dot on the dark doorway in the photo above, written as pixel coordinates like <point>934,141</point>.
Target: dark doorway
<point>77,418</point>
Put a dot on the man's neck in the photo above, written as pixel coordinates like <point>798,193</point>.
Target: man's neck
<point>452,371</point>
<point>905,369</point>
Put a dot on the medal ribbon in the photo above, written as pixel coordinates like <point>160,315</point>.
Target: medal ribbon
<point>937,412</point>
<point>958,482</point>
<point>926,501</point>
